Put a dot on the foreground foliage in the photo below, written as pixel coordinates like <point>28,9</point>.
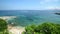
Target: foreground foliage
<point>45,28</point>
<point>3,27</point>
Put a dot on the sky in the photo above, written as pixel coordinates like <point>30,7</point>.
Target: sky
<point>29,4</point>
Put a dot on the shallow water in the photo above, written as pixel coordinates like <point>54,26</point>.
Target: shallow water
<point>28,17</point>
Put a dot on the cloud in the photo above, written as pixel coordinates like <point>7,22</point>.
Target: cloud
<point>52,7</point>
<point>48,1</point>
<point>51,0</point>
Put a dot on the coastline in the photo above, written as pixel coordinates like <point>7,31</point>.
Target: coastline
<point>7,17</point>
<point>13,29</point>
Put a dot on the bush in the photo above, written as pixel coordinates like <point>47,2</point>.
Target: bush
<point>3,26</point>
<point>45,28</point>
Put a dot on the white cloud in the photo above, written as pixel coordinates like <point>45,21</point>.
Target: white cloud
<point>48,1</point>
<point>51,0</point>
<point>52,7</point>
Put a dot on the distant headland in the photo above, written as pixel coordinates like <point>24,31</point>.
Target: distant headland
<point>58,13</point>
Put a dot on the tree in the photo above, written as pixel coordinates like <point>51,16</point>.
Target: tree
<point>3,26</point>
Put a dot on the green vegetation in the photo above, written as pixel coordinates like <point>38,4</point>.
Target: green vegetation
<point>45,28</point>
<point>3,27</point>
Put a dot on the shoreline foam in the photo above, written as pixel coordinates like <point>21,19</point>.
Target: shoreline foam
<point>7,17</point>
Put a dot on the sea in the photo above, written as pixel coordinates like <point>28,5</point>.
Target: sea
<point>29,17</point>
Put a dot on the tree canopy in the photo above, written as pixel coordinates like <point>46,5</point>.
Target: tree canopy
<point>3,26</point>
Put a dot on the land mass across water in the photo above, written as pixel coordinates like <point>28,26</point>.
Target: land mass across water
<point>57,13</point>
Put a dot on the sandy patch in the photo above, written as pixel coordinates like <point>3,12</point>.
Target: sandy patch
<point>16,30</point>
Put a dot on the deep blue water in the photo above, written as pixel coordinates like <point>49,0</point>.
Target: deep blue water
<point>27,17</point>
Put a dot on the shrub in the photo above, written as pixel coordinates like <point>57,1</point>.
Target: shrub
<point>45,28</point>
<point>3,26</point>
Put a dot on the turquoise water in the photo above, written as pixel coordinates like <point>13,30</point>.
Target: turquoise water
<point>28,17</point>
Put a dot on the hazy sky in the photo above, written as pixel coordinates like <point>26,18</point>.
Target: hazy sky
<point>29,4</point>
